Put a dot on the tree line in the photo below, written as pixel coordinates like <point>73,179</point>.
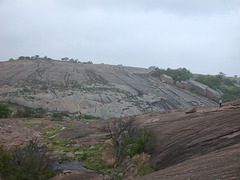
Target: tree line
<point>37,57</point>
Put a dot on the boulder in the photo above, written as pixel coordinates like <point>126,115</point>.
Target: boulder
<point>92,147</point>
<point>79,153</point>
<point>213,94</point>
<point>192,110</point>
<point>179,84</point>
<point>186,85</point>
<point>166,79</point>
<point>199,87</point>
<point>70,155</point>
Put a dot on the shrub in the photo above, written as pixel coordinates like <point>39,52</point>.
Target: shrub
<point>57,116</point>
<point>28,162</point>
<point>142,141</point>
<point>7,168</point>
<point>129,138</point>
<point>5,112</point>
<point>27,113</point>
<point>38,116</point>
<point>145,169</point>
<point>86,116</point>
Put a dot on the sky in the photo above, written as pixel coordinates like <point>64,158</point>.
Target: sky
<point>200,35</point>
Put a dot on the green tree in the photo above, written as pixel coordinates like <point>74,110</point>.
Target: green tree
<point>37,56</point>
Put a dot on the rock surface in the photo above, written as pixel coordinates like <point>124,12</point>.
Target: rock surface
<point>200,145</point>
<point>166,79</point>
<point>100,90</point>
<point>199,87</point>
<point>76,175</point>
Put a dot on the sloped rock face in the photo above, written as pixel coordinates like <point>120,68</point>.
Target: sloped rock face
<point>101,90</point>
<point>201,145</point>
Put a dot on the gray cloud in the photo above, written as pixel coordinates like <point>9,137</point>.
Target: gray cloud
<point>201,35</point>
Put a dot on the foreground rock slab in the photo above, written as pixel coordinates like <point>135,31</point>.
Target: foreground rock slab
<point>76,175</point>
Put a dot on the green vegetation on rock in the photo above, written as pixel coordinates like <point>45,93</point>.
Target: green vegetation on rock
<point>211,81</point>
<point>145,169</point>
<point>90,155</point>
<point>57,117</point>
<point>30,123</point>
<point>230,91</point>
<point>181,74</point>
<point>5,111</point>
<point>128,144</point>
<point>60,144</point>
<point>88,116</point>
<point>50,131</point>
<point>26,112</point>
<point>28,162</point>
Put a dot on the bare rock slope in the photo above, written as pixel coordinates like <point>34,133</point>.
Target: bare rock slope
<point>201,145</point>
<point>101,90</point>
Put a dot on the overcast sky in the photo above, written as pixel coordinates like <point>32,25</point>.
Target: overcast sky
<point>200,35</point>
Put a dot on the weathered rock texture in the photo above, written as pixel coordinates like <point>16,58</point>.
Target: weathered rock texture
<point>166,79</point>
<point>200,88</point>
<point>201,145</point>
<point>100,90</point>
<point>205,90</point>
<point>184,85</point>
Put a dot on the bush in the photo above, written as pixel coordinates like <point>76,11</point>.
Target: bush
<point>130,138</point>
<point>27,113</point>
<point>5,112</point>
<point>142,141</point>
<point>7,168</point>
<point>28,162</point>
<point>30,113</point>
<point>57,116</point>
<point>86,116</point>
<point>145,169</point>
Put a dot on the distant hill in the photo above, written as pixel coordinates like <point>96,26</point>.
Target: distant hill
<point>77,89</point>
